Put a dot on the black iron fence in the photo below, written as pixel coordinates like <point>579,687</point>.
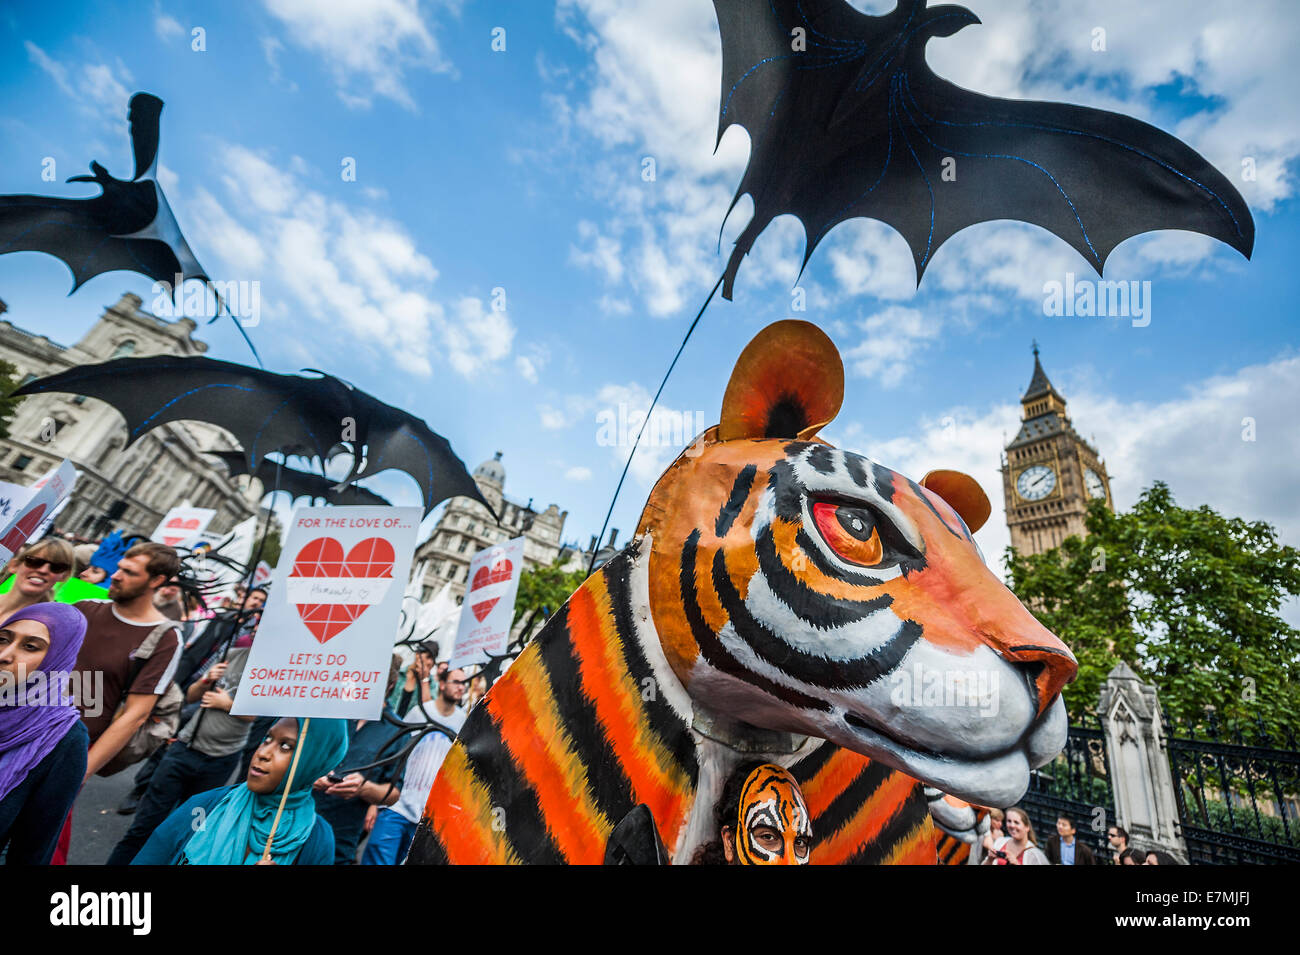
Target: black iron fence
<point>1238,792</point>
<point>1076,784</point>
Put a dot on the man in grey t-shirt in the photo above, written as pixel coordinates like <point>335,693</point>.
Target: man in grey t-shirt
<point>206,752</point>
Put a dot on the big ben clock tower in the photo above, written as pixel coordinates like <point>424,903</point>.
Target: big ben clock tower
<point>1048,472</point>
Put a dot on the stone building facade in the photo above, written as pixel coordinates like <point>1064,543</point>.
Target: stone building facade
<point>116,487</point>
<point>1049,472</point>
<point>466,527</point>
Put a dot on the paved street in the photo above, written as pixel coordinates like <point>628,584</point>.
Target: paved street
<point>96,826</point>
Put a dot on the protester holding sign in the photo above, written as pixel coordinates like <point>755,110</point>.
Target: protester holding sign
<point>37,570</point>
<point>343,803</point>
<point>42,740</point>
<point>231,826</point>
<point>203,756</point>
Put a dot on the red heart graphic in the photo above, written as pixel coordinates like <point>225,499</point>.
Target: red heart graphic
<point>172,541</point>
<point>18,535</point>
<point>323,557</point>
<point>191,525</point>
<point>495,574</point>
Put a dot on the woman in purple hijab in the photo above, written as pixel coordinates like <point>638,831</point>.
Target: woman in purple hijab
<point>42,739</point>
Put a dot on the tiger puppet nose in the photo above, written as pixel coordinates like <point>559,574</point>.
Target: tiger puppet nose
<point>809,589</point>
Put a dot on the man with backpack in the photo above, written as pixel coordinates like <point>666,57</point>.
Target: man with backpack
<point>119,686</point>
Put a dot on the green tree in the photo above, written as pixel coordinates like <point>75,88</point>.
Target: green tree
<point>1189,598</point>
<point>8,405</point>
<point>271,549</point>
<point>545,589</point>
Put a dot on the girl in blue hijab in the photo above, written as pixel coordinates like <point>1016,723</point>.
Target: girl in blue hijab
<point>229,826</point>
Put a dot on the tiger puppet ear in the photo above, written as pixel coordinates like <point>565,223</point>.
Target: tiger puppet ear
<point>963,494</point>
<point>787,383</point>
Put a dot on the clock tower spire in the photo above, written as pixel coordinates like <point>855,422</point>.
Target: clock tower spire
<point>1048,471</point>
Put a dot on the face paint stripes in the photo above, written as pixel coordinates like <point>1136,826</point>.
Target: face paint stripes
<point>770,799</point>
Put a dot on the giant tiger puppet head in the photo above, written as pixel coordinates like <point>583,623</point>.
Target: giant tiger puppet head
<point>796,586</point>
<point>779,593</point>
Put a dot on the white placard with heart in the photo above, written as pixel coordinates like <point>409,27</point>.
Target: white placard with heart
<point>183,526</point>
<point>325,642</point>
<point>489,607</point>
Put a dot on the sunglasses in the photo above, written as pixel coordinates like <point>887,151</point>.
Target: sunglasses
<point>458,682</point>
<point>56,566</point>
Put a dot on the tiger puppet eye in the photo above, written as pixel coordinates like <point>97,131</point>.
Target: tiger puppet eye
<point>850,531</point>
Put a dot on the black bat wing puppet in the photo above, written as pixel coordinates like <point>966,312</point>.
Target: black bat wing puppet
<point>270,413</point>
<point>397,440</point>
<point>276,476</point>
<point>128,226</point>
<point>847,120</point>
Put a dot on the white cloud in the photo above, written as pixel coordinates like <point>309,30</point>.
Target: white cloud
<point>892,338</point>
<point>530,364</point>
<point>578,474</point>
<point>344,265</point>
<point>526,368</point>
<point>167,27</point>
<point>613,305</point>
<point>614,414</point>
<point>367,47</point>
<point>552,418</point>
<point>476,336</point>
<point>271,49</point>
<point>98,89</point>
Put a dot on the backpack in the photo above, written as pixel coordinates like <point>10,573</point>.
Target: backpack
<point>165,719</point>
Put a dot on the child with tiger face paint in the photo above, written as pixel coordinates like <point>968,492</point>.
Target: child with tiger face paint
<point>762,820</point>
<point>772,824</point>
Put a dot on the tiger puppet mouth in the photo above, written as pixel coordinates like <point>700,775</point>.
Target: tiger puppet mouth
<point>800,587</point>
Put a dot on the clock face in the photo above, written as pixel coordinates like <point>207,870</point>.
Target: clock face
<point>1036,483</point>
<point>1093,483</point>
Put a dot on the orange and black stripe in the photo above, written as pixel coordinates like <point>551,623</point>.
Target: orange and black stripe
<point>570,739</point>
<point>863,812</point>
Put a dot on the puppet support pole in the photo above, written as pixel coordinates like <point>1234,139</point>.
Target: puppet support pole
<point>635,444</point>
<point>288,781</point>
<point>248,586</point>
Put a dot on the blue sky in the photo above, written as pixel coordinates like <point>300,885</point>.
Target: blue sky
<point>522,170</point>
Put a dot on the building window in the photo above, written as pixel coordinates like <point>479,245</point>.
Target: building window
<point>123,350</point>
<point>464,544</point>
<point>21,462</point>
<point>78,399</point>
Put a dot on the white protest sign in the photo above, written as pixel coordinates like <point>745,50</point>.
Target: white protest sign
<point>12,499</point>
<point>41,502</point>
<point>261,574</point>
<point>182,526</point>
<point>325,642</point>
<point>490,593</point>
